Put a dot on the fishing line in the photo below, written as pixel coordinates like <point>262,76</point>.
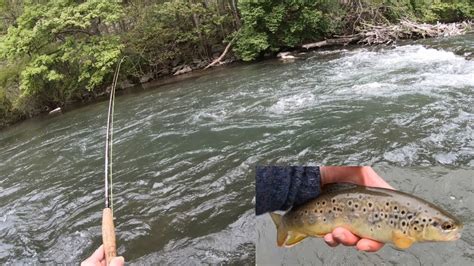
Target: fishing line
<point>109,141</point>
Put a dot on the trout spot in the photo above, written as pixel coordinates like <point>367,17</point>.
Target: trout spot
<point>381,215</point>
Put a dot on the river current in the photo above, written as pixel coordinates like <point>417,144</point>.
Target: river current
<point>184,156</point>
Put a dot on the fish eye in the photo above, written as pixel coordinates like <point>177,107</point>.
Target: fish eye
<point>447,226</point>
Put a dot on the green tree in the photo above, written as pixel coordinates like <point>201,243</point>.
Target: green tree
<point>177,32</point>
<point>270,25</point>
<point>67,45</point>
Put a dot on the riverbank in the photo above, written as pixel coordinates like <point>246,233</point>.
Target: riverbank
<point>49,63</point>
<point>164,82</point>
<point>127,87</point>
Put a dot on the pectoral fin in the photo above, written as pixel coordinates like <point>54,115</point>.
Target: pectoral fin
<point>294,238</point>
<point>282,233</point>
<point>401,240</point>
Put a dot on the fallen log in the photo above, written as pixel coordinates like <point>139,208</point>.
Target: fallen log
<point>386,34</point>
<point>342,40</point>
<point>218,60</point>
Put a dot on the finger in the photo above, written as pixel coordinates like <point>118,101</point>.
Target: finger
<point>98,255</point>
<point>330,240</point>
<point>369,245</point>
<point>117,261</point>
<point>371,178</point>
<point>95,258</point>
<point>345,237</point>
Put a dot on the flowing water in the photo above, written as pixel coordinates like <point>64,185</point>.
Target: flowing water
<point>184,157</point>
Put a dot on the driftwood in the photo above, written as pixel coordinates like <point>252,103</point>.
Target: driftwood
<point>218,60</point>
<point>342,40</point>
<point>386,34</point>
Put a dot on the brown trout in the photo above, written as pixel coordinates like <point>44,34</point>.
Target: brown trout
<point>380,214</point>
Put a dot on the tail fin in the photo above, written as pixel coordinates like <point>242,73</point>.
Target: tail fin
<point>282,233</point>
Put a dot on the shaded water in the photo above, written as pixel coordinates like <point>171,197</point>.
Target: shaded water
<point>184,156</point>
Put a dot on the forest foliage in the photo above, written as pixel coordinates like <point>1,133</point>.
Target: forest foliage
<point>53,53</point>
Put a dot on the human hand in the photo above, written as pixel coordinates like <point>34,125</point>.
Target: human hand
<point>98,258</point>
<point>361,175</point>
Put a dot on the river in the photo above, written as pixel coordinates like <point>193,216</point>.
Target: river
<point>184,157</point>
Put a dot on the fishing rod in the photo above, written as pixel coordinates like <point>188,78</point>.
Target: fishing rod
<point>108,229</point>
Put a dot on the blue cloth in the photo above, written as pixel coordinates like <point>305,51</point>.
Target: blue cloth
<point>281,187</point>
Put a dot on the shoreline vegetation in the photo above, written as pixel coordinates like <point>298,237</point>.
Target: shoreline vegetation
<point>63,53</point>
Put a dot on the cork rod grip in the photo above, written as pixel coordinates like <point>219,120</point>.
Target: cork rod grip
<point>108,235</point>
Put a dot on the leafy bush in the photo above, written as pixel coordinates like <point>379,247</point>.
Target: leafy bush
<point>9,92</point>
<point>176,32</point>
<point>450,12</point>
<point>271,25</point>
<point>65,48</point>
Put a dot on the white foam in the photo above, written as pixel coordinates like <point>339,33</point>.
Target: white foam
<point>288,104</point>
<point>401,70</point>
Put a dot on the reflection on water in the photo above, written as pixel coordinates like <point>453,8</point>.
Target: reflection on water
<point>184,154</point>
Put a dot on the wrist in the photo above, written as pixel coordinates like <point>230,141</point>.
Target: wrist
<point>330,174</point>
<point>347,174</point>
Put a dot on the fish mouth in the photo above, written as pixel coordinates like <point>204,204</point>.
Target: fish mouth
<point>455,236</point>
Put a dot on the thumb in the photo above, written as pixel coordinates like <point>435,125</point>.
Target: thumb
<point>117,261</point>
